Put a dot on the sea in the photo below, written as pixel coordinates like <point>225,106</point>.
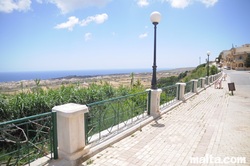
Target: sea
<point>44,75</point>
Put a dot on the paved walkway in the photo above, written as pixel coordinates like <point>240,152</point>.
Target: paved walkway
<point>213,124</point>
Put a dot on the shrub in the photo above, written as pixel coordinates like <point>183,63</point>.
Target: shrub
<point>38,100</point>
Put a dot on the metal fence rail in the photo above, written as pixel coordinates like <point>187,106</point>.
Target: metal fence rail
<point>199,83</point>
<point>27,139</point>
<point>109,117</point>
<point>168,96</point>
<point>189,87</point>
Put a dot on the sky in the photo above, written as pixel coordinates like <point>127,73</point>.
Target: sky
<point>48,35</point>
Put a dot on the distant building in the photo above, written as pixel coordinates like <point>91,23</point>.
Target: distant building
<point>235,57</point>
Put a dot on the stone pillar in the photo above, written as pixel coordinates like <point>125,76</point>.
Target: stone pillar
<point>181,91</point>
<point>194,89</point>
<point>155,102</point>
<point>203,80</point>
<point>207,80</point>
<point>210,79</point>
<point>71,132</point>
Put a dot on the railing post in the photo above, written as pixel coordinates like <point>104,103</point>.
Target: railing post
<point>55,138</point>
<point>86,119</point>
<point>155,95</point>
<point>210,79</point>
<point>207,80</point>
<point>71,132</point>
<point>203,82</point>
<point>181,91</point>
<point>149,101</point>
<point>194,88</point>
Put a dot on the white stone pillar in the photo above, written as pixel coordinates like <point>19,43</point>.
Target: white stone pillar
<point>71,132</point>
<point>207,78</point>
<point>203,80</point>
<point>194,89</point>
<point>181,91</point>
<point>210,79</point>
<point>155,102</point>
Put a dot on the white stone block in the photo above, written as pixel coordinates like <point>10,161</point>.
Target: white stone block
<point>70,130</point>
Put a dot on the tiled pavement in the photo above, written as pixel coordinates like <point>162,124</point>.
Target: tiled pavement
<point>212,123</point>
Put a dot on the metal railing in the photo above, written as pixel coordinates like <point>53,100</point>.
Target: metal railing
<point>199,83</point>
<point>189,87</point>
<point>109,117</point>
<point>168,96</point>
<point>27,139</point>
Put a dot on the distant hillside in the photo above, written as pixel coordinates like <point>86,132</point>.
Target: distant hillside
<point>186,74</point>
<point>179,70</point>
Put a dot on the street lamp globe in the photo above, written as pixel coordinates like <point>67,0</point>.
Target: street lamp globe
<point>208,53</point>
<point>155,17</point>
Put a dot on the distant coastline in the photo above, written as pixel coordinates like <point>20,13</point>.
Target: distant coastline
<point>54,80</point>
<point>47,75</point>
<point>6,77</point>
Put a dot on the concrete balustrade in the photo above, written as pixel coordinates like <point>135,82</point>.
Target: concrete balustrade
<point>71,132</point>
<point>207,80</point>
<point>195,83</point>
<point>181,91</point>
<point>210,79</point>
<point>203,81</point>
<point>155,103</point>
<point>70,122</point>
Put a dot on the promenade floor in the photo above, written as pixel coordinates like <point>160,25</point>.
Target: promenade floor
<point>214,125</point>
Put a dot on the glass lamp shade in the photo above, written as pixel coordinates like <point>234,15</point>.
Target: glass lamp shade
<point>155,17</point>
<point>208,53</point>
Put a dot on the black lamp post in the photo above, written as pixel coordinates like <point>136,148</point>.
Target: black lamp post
<point>155,18</point>
<point>208,53</point>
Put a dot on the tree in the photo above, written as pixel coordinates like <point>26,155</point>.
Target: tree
<point>132,75</point>
<point>213,70</point>
<point>166,81</point>
<point>182,75</point>
<point>247,61</point>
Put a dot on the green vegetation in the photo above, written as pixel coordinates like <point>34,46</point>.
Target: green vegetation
<point>26,139</point>
<point>37,100</point>
<point>167,81</point>
<point>89,162</point>
<point>168,94</point>
<point>213,70</point>
<point>199,71</point>
<point>103,115</point>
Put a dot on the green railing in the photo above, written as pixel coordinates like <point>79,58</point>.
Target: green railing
<point>110,117</point>
<point>168,96</point>
<point>27,139</point>
<point>199,83</point>
<point>189,87</point>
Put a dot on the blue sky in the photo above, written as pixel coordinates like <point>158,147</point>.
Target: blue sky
<point>44,35</point>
